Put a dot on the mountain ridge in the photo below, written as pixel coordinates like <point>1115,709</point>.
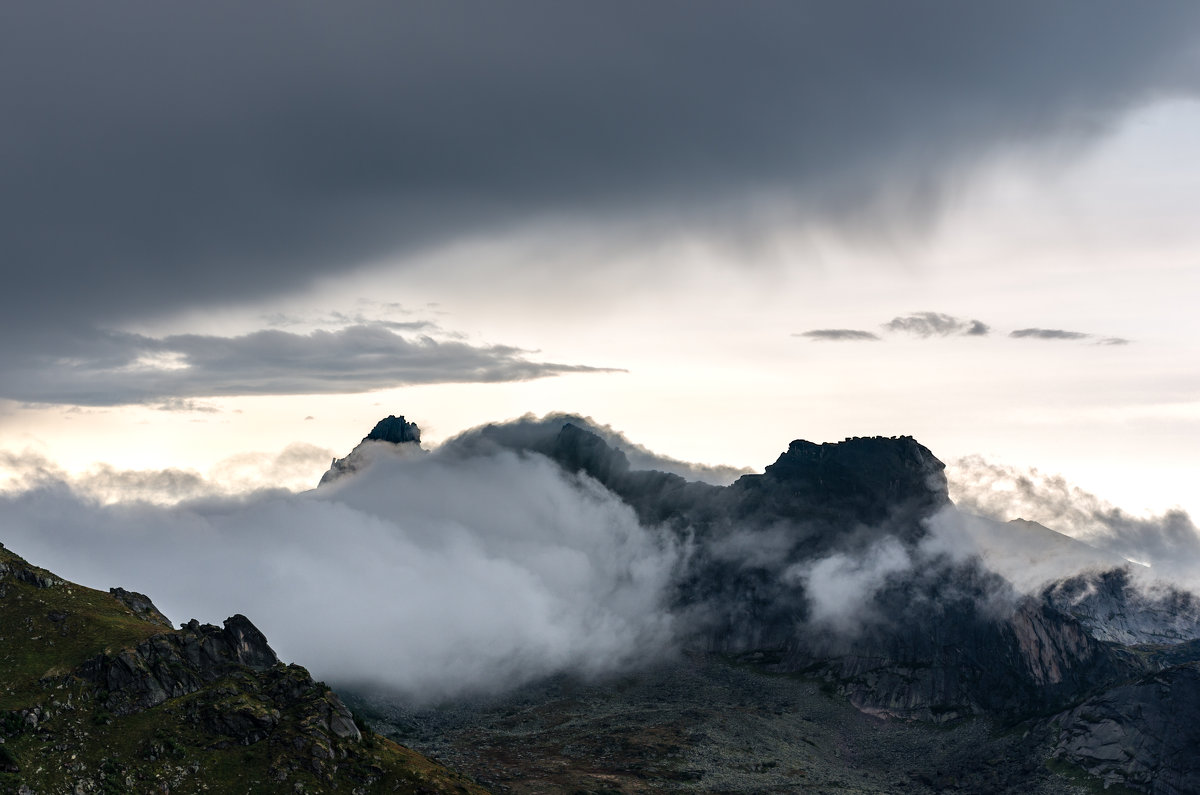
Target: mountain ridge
<point>939,639</point>
<point>119,702</point>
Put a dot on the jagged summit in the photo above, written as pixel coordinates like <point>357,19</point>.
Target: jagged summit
<point>394,429</point>
<point>860,480</point>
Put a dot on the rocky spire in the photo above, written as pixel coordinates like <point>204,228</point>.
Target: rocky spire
<point>391,429</point>
<point>395,430</point>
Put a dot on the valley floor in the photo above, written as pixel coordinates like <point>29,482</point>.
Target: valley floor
<point>702,724</point>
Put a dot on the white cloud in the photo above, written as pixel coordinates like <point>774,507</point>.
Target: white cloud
<point>431,579</point>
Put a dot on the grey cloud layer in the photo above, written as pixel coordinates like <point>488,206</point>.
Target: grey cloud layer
<point>113,368</point>
<point>938,324</point>
<point>1060,334</point>
<point>165,155</point>
<point>1048,334</point>
<point>839,335</point>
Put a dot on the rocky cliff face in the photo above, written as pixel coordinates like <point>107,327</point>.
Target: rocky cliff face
<point>1142,733</point>
<point>1113,607</point>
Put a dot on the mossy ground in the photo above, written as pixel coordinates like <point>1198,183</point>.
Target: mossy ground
<point>45,632</point>
<point>57,733</point>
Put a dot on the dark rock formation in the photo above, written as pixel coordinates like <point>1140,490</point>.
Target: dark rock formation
<point>395,430</point>
<point>31,575</point>
<point>863,481</point>
<point>1142,734</point>
<point>174,664</point>
<point>938,653</point>
<point>246,707</point>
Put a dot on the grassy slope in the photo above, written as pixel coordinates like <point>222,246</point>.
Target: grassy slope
<point>46,633</point>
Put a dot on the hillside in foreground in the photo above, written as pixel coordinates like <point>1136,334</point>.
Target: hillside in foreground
<point>99,694</point>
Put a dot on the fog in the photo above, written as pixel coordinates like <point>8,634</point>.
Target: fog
<point>1090,531</point>
<point>429,578</point>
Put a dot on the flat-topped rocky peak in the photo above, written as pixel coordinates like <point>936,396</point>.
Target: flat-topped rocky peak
<point>868,476</point>
<point>881,461</point>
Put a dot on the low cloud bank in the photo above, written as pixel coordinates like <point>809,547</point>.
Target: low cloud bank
<point>294,468</point>
<point>430,577</point>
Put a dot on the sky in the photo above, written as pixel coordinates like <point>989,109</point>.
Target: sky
<point>235,236</point>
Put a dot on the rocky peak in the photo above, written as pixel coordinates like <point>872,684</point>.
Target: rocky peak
<point>580,450</point>
<point>861,480</point>
<point>248,643</point>
<point>394,429</point>
<point>894,467</point>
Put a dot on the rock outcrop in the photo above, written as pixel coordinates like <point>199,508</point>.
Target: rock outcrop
<point>175,664</point>
<point>141,605</point>
<point>1142,734</point>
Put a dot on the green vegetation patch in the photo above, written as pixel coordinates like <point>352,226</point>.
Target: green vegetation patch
<point>247,730</point>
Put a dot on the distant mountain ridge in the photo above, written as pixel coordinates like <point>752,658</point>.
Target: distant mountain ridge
<point>942,638</point>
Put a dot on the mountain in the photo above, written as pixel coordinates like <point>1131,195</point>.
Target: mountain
<point>820,603</point>
<point>392,433</point>
<point>99,694</point>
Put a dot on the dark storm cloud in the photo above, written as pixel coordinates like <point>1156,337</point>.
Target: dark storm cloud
<point>113,368</point>
<point>936,324</point>
<point>839,335</point>
<point>159,155</point>
<point>1048,334</point>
